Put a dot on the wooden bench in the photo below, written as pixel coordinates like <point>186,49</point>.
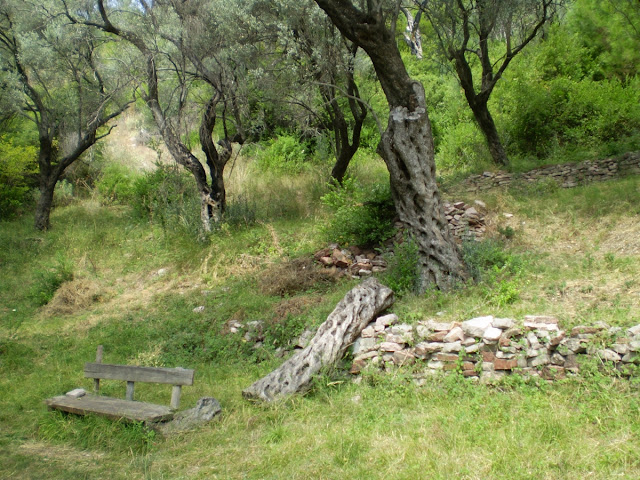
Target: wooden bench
<point>128,408</point>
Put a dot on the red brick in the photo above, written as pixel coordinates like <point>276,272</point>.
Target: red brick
<point>505,364</point>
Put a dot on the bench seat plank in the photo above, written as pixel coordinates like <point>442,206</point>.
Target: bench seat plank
<point>111,407</point>
<point>130,373</point>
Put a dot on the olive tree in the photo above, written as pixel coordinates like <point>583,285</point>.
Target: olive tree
<point>407,143</point>
<point>179,47</point>
<point>62,78</point>
<point>489,33</point>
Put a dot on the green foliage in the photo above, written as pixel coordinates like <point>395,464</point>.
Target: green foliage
<point>360,216</point>
<point>168,196</point>
<point>49,278</point>
<point>117,184</point>
<point>18,166</point>
<point>63,193</point>
<point>402,274</point>
<point>286,154</point>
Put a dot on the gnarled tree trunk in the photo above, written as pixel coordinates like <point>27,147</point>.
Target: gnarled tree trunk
<point>341,329</point>
<point>406,146</point>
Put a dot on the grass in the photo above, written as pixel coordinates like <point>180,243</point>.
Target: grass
<point>571,253</point>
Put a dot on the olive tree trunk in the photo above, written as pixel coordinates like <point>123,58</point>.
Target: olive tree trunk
<point>343,326</point>
<point>406,146</point>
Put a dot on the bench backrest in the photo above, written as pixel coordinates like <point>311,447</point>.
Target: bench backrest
<point>131,373</point>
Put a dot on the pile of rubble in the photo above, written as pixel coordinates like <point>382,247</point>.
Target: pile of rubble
<point>465,222</point>
<point>489,348</point>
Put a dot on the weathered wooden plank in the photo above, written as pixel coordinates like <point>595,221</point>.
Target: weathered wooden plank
<point>111,407</point>
<point>131,373</point>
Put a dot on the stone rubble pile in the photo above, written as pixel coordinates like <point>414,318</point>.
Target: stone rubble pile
<point>489,348</point>
<point>566,175</point>
<point>466,222</point>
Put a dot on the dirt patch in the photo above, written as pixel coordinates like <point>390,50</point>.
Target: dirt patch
<point>294,276</point>
<point>59,453</point>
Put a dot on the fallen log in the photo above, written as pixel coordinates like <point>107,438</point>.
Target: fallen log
<point>341,329</point>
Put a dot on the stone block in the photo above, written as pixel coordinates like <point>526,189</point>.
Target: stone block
<point>505,364</point>
<point>476,327</point>
<point>503,323</point>
<point>387,320</point>
<point>390,347</point>
<point>492,334</point>
<point>454,335</point>
<point>608,355</point>
<point>540,360</point>
<point>451,347</point>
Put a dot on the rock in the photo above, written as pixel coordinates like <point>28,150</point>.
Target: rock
<point>476,326</point>
<point>555,341</point>
<point>199,309</point>
<point>368,332</point>
<point>634,346</point>
<point>390,347</point>
<point>582,330</point>
<point>437,336</point>
<point>363,345</point>
<point>512,332</point>
<point>539,360</point>
<point>438,326</point>
<point>387,320</point>
<point>533,340</point>
<point>620,348</point>
<point>403,358</point>
<point>423,349</point>
<point>575,345</point>
<point>608,355</point>
<point>505,364</point>
<point>557,359</point>
<point>503,323</point>
<point>455,334</point>
<point>473,348</point>
<point>633,331</point>
<point>491,335</point>
<point>76,393</point>
<point>206,409</point>
<point>451,347</point>
<point>631,357</point>
<point>553,373</point>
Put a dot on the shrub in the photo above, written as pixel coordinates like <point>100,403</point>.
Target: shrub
<point>17,169</point>
<point>116,184</point>
<point>402,274</point>
<point>286,154</point>
<point>360,217</point>
<point>167,195</point>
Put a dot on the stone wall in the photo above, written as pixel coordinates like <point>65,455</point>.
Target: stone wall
<point>566,175</point>
<point>489,348</point>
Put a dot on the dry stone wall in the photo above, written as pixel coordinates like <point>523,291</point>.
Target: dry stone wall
<point>489,348</point>
<point>566,175</point>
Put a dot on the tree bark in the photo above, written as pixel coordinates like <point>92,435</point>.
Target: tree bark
<point>406,147</point>
<point>488,128</point>
<point>44,205</point>
<point>335,335</point>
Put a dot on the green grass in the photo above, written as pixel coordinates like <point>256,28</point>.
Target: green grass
<point>570,253</point>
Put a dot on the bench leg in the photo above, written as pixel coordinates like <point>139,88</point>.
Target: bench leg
<point>130,391</point>
<point>175,396</point>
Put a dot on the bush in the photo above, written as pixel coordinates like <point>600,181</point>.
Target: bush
<point>116,184</point>
<point>17,171</point>
<point>286,154</point>
<point>360,217</point>
<point>402,274</point>
<point>167,195</point>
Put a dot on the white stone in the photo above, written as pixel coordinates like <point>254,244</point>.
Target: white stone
<point>608,355</point>
<point>477,326</point>
<point>390,347</point>
<point>633,331</point>
<point>76,393</point>
<point>539,360</point>
<point>454,335</point>
<point>492,334</point>
<point>533,340</point>
<point>503,323</point>
<point>368,332</point>
<point>387,320</point>
<point>620,348</point>
<point>199,309</point>
<point>438,326</point>
<point>451,347</point>
<point>468,341</point>
<point>550,327</point>
<point>363,345</point>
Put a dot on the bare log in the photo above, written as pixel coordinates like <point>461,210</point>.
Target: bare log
<point>341,329</point>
